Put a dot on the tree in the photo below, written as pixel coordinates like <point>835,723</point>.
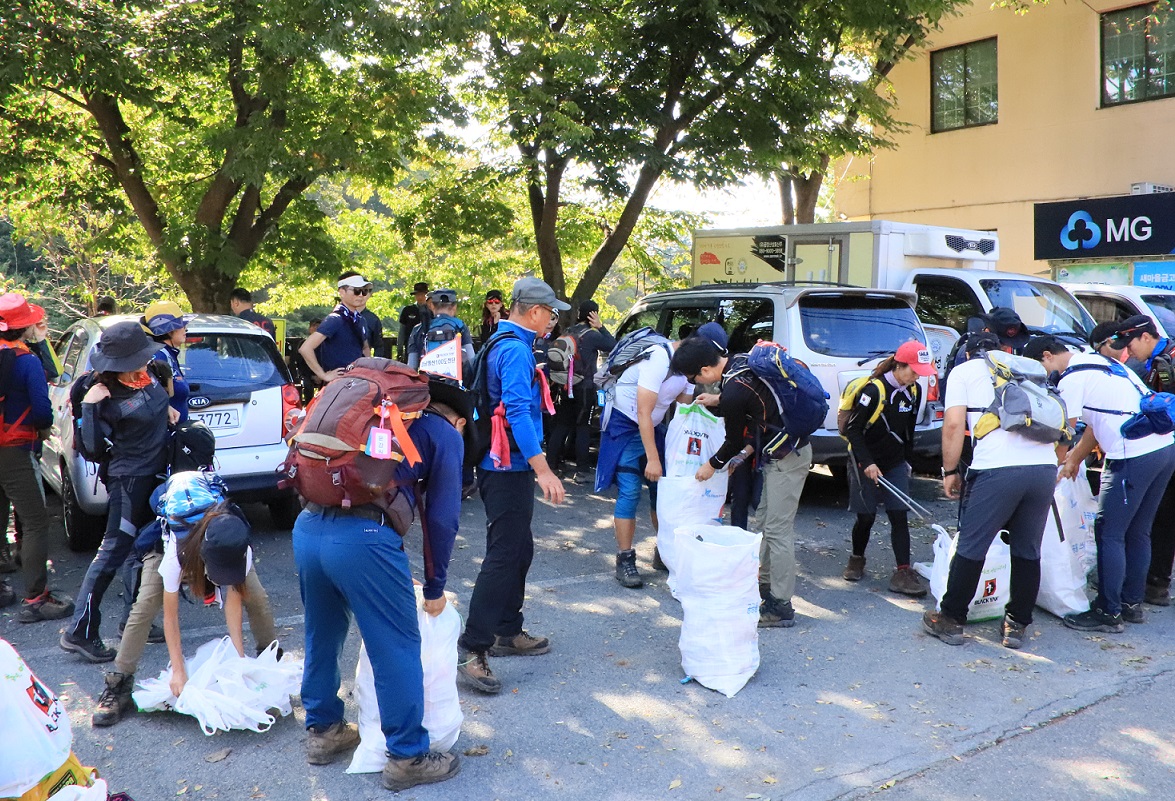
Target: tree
<point>211,121</point>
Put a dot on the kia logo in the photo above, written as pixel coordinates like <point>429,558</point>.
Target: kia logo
<point>198,402</point>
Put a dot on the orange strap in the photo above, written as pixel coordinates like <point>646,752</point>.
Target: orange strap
<point>400,431</point>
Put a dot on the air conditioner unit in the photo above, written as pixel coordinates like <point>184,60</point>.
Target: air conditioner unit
<point>1147,188</point>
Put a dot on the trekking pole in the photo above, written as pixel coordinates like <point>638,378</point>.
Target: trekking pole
<point>918,509</point>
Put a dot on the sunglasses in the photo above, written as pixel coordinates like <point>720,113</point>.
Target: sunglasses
<point>360,292</point>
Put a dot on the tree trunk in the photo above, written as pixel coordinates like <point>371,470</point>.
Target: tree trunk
<point>808,192</point>
<point>787,205</point>
<point>547,235</point>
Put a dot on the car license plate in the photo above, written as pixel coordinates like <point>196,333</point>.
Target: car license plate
<point>218,419</point>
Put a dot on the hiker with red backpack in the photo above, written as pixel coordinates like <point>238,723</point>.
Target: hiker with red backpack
<point>25,411</point>
<point>372,451</point>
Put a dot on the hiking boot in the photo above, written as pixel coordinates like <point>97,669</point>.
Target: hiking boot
<point>905,581</point>
<point>475,668</point>
<point>1132,613</point>
<point>626,572</point>
<point>657,563</point>
<point>45,607</point>
<point>856,568</point>
<point>7,596</point>
<point>521,644</point>
<point>7,563</point>
<point>1158,593</point>
<point>91,650</point>
<point>1013,633</point>
<point>435,766</point>
<point>774,613</point>
<point>115,701</point>
<point>1095,620</point>
<point>939,625</point>
<point>155,636</point>
<point>323,746</point>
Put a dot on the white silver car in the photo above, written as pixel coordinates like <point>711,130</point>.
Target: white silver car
<point>240,388</point>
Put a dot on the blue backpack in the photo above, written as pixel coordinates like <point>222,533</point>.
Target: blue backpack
<point>802,401</point>
<point>1156,410</point>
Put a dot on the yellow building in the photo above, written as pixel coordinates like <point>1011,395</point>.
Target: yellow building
<point>1073,100</point>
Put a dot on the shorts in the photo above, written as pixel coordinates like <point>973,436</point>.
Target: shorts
<point>630,472</point>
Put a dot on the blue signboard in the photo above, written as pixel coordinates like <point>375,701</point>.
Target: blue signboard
<point>1155,274</point>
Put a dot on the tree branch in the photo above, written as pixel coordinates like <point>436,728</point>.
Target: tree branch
<point>251,239</point>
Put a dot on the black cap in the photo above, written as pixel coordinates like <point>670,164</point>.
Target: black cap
<point>1102,333</point>
<point>494,294</point>
<point>1007,325</point>
<point>419,286</point>
<point>1132,328</point>
<point>225,545</point>
<point>586,308</point>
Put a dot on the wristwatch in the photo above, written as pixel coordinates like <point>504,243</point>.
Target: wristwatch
<point>954,471</point>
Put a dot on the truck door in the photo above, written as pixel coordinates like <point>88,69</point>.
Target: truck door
<point>820,259</point>
<point>945,301</point>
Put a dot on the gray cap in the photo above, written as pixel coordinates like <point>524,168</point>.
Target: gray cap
<point>443,296</point>
<point>536,292</point>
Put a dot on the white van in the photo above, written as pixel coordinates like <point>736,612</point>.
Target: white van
<point>1115,302</point>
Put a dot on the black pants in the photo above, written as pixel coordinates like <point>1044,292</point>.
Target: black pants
<point>571,422</point>
<point>746,490</point>
<point>496,605</point>
<point>1163,540</point>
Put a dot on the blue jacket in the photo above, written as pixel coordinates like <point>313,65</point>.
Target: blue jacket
<point>25,390</point>
<point>179,384</point>
<point>442,453</point>
<point>512,379</point>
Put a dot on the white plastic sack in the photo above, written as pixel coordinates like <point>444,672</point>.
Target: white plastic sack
<point>694,435</point>
<point>1077,506</point>
<point>34,727</point>
<point>95,792</point>
<point>226,691</point>
<point>442,706</point>
<point>1062,576</point>
<point>993,592</point>
<point>718,585</point>
<point>685,501</point>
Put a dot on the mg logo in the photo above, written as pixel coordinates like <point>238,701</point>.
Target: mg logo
<point>198,402</point>
<point>1080,232</point>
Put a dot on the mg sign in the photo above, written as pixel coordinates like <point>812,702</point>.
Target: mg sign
<point>1131,225</point>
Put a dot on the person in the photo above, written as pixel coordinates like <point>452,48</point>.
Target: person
<point>351,561</point>
<point>880,431</point>
<point>342,336</point>
<point>1001,322</point>
<point>443,326</point>
<point>752,418</point>
<point>303,376</point>
<point>105,307</point>
<point>240,300</point>
<point>1103,340</point>
<point>375,326</point>
<point>632,444</point>
<point>125,411</point>
<point>507,476</point>
<point>411,316</point>
<point>492,313</point>
<point>1140,337</point>
<point>1007,487</point>
<point>168,325</point>
<point>574,408</point>
<point>27,414</point>
<point>1135,476</point>
<point>163,576</point>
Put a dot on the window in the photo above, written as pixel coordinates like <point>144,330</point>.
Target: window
<point>746,322</point>
<point>1105,309</point>
<point>73,352</point>
<point>647,317</point>
<point>1138,54</point>
<point>963,87</point>
<point>945,301</point>
<point>853,326</point>
<point>232,361</point>
<point>682,321</point>
<point>1044,308</point>
<point>1162,308</point>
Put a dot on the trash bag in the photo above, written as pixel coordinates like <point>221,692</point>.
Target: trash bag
<point>993,592</point>
<point>1062,576</point>
<point>78,792</point>
<point>226,691</point>
<point>1077,507</point>
<point>685,501</point>
<point>442,707</point>
<point>36,735</point>
<point>718,585</point>
<point>693,436</point>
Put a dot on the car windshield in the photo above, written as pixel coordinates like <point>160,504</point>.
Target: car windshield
<point>232,360</point>
<point>1164,308</point>
<point>856,326</point>
<point>1043,307</point>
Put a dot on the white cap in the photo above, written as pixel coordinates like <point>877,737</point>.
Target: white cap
<point>354,281</point>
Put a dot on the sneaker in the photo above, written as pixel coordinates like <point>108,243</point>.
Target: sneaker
<point>435,766</point>
<point>91,650</point>
<point>7,596</point>
<point>475,668</point>
<point>774,613</point>
<point>45,607</point>
<point>1013,633</point>
<point>626,572</point>
<point>856,568</point>
<point>521,644</point>
<point>1095,620</point>
<point>905,581</point>
<point>468,491</point>
<point>939,625</point>
<point>323,746</point>
<point>155,636</point>
<point>1132,613</point>
<point>115,701</point>
<point>1157,594</point>
<point>657,563</point>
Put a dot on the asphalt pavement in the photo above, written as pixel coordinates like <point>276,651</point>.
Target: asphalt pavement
<point>854,700</point>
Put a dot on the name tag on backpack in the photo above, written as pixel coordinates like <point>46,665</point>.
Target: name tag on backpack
<point>379,443</point>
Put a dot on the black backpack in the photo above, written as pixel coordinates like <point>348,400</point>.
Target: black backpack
<point>76,392</point>
<point>483,408</point>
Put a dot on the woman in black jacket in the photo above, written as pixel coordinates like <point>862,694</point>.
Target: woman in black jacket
<point>880,431</point>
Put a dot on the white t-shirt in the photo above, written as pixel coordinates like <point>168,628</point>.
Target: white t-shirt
<point>172,574</point>
<point>1084,389</point>
<point>970,385</point>
<point>651,374</point>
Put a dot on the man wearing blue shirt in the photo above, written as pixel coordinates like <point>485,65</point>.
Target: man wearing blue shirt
<point>515,461</point>
<point>343,336</point>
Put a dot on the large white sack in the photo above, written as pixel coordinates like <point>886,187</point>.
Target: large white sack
<point>34,727</point>
<point>1062,574</point>
<point>693,436</point>
<point>95,792</point>
<point>685,501</point>
<point>1077,506</point>
<point>718,586</point>
<point>442,707</point>
<point>993,592</point>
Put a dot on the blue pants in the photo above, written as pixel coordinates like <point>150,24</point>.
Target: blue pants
<point>630,474</point>
<point>352,565</point>
<point>1129,497</point>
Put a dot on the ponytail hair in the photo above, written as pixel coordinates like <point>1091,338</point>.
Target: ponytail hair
<point>887,365</point>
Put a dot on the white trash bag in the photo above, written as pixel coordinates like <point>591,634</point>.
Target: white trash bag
<point>226,691</point>
<point>1077,506</point>
<point>442,706</point>
<point>693,436</point>
<point>993,592</point>
<point>34,727</point>
<point>95,792</point>
<point>718,585</point>
<point>685,501</point>
<point>1062,575</point>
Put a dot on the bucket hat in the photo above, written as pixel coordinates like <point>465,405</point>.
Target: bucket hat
<point>123,347</point>
<point>17,312</point>
<point>163,317</point>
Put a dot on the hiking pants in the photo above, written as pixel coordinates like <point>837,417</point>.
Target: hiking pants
<point>20,485</point>
<point>783,482</point>
<point>1163,540</point>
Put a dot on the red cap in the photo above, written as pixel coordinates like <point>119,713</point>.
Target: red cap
<point>917,356</point>
<point>16,312</point>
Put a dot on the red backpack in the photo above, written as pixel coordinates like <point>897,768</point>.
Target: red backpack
<point>328,463</point>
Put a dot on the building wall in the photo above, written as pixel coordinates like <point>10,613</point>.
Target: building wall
<point>1053,141</point>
